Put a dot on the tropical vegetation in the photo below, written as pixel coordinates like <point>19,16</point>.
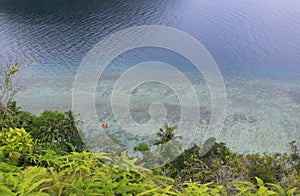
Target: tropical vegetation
<point>44,155</point>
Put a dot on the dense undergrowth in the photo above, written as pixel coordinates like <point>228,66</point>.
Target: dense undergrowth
<point>44,155</point>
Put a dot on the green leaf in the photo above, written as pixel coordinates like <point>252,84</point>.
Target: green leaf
<point>291,191</point>
<point>278,188</point>
<point>37,184</point>
<point>5,191</point>
<point>259,181</point>
<point>38,194</point>
<point>148,192</point>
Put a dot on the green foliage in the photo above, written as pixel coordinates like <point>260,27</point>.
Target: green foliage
<point>194,188</point>
<point>50,159</point>
<point>14,142</point>
<point>191,164</point>
<point>234,171</point>
<point>8,85</point>
<point>295,156</point>
<point>166,135</point>
<point>169,151</point>
<point>85,174</point>
<point>142,147</point>
<point>260,188</point>
<point>51,127</point>
<point>60,128</point>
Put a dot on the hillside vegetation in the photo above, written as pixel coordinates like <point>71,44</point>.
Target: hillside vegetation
<point>44,155</point>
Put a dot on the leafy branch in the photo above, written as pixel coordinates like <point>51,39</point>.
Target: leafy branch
<point>9,86</point>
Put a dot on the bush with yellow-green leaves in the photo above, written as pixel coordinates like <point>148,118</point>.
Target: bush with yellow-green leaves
<point>85,173</point>
<point>14,142</point>
<point>56,163</point>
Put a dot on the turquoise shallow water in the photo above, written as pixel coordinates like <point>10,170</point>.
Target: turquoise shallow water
<point>255,44</point>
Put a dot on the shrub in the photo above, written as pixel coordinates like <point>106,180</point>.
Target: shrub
<point>14,143</point>
<point>142,147</point>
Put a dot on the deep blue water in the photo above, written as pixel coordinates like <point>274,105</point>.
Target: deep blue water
<point>251,36</point>
<point>256,45</point>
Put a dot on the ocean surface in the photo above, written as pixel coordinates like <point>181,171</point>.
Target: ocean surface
<point>256,45</point>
